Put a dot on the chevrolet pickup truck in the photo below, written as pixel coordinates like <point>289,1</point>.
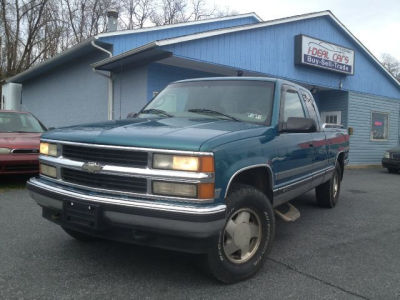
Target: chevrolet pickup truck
<point>204,168</point>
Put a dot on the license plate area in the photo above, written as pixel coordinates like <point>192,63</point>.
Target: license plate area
<point>82,214</point>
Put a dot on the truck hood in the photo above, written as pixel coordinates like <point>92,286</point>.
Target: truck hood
<point>20,140</point>
<point>163,133</point>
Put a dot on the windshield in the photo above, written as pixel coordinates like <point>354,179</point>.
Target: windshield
<point>238,100</point>
<point>18,122</point>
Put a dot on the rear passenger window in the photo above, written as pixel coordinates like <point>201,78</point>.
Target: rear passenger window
<point>310,106</point>
<point>292,106</point>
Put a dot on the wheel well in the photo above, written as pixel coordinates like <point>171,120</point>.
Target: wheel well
<point>341,163</point>
<point>259,177</point>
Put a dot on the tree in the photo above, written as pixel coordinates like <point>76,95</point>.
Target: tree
<point>85,18</point>
<point>135,13</point>
<point>32,31</point>
<point>21,25</point>
<point>391,64</point>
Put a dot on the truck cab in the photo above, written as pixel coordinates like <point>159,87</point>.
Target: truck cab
<point>203,168</point>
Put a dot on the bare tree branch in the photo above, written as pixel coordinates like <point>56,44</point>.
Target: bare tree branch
<point>34,30</point>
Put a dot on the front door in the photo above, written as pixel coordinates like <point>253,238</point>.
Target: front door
<point>295,150</point>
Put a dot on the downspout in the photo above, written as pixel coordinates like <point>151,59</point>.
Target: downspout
<point>108,75</point>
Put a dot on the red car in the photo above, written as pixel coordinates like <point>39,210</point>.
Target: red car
<point>19,142</point>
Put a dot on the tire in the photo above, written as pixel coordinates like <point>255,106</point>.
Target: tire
<point>327,193</point>
<point>391,170</point>
<point>249,212</point>
<point>82,237</point>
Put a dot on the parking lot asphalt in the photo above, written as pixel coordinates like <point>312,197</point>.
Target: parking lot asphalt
<point>349,252</point>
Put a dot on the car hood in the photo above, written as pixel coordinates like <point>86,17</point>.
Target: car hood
<point>16,140</point>
<point>164,133</point>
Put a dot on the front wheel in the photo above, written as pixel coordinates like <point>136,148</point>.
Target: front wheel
<point>327,194</point>
<point>246,238</point>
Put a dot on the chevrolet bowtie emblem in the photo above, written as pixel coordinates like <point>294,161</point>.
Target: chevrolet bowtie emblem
<point>92,167</point>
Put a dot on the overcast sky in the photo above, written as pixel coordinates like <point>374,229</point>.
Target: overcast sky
<point>376,23</point>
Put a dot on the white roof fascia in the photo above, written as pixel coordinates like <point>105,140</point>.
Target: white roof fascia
<point>155,28</point>
<point>207,34</point>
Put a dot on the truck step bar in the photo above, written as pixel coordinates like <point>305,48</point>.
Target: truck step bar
<point>287,212</point>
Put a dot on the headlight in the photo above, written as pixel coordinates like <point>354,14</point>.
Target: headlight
<point>386,154</point>
<point>48,170</point>
<point>48,149</point>
<point>183,163</point>
<point>189,190</point>
<point>174,189</point>
<point>5,150</point>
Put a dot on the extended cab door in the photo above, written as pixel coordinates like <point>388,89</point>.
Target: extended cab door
<point>319,141</point>
<point>295,150</point>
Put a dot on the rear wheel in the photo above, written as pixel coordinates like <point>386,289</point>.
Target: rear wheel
<point>246,238</point>
<point>82,237</point>
<point>327,194</point>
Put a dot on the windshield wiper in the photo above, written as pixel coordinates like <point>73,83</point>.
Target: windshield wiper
<point>212,112</point>
<point>156,112</point>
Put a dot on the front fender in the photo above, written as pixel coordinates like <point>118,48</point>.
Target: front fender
<point>233,158</point>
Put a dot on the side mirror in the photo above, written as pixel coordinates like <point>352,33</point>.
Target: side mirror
<point>50,128</point>
<point>299,125</point>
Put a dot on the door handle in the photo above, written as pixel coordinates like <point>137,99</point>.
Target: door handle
<point>311,145</point>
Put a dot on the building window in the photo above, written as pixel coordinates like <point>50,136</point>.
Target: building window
<point>331,117</point>
<point>379,126</point>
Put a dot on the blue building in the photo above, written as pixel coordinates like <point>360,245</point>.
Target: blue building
<point>115,73</point>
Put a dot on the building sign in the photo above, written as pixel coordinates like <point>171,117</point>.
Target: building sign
<point>320,54</point>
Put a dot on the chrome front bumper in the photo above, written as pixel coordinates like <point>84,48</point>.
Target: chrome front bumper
<point>118,214</point>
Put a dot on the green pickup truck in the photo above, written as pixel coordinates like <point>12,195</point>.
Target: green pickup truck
<point>205,167</point>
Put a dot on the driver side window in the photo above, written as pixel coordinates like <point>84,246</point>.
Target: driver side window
<point>292,106</point>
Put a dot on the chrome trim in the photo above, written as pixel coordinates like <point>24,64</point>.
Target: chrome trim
<point>248,168</point>
<point>147,195</point>
<point>133,203</point>
<point>290,191</point>
<point>302,169</point>
<point>155,150</point>
<point>310,176</point>
<point>194,177</point>
<point>36,151</point>
<point>332,125</point>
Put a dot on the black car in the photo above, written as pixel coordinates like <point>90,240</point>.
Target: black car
<point>391,160</point>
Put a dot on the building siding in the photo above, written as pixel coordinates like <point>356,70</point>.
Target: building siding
<point>362,149</point>
<point>160,75</point>
<point>130,91</point>
<point>123,43</point>
<point>270,50</point>
<point>68,95</point>
<point>334,101</point>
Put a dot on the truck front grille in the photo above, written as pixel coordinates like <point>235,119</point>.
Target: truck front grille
<point>104,181</point>
<point>117,157</point>
<point>28,167</point>
<point>396,156</point>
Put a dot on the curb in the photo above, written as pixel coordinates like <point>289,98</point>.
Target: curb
<point>359,167</point>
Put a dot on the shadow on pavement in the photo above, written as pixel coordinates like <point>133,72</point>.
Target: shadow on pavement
<point>8,182</point>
